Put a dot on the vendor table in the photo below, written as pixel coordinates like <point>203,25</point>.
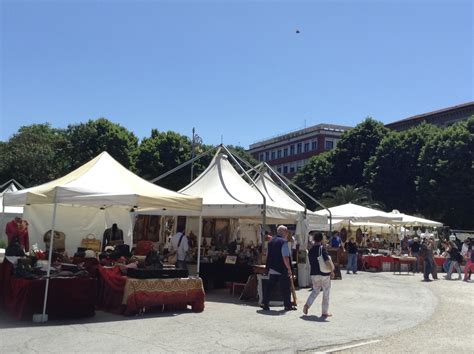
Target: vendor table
<point>146,293</point>
<point>376,261</point>
<point>215,275</point>
<point>398,261</point>
<point>439,260</point>
<point>121,294</point>
<point>69,297</point>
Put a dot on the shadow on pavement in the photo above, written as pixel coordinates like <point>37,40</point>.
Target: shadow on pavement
<point>314,318</point>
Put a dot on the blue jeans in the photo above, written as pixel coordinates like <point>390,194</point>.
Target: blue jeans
<point>352,262</point>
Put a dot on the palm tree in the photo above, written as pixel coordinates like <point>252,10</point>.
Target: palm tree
<point>350,194</point>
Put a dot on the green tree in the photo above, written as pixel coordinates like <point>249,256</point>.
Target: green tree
<point>162,152</point>
<point>392,171</point>
<point>34,155</point>
<point>350,194</point>
<point>446,183</point>
<point>354,150</point>
<point>87,140</point>
<point>315,177</point>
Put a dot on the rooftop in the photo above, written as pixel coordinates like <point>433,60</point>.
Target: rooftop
<point>295,133</point>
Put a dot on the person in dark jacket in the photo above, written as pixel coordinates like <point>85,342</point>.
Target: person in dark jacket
<point>278,268</point>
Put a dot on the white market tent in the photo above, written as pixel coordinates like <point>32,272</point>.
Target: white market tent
<point>100,184</point>
<point>353,212</point>
<point>225,194</point>
<point>92,198</point>
<point>408,220</point>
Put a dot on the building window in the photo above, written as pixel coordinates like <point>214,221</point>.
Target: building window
<point>285,169</point>
<point>279,153</point>
<point>267,155</point>
<point>306,147</point>
<point>279,169</point>
<point>298,148</point>
<point>314,145</point>
<point>292,169</point>
<point>292,150</point>
<point>329,145</point>
<point>273,155</point>
<point>285,152</point>
<point>262,157</point>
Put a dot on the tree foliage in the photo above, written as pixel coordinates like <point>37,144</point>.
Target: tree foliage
<point>445,184</point>
<point>87,140</point>
<point>354,150</point>
<point>350,194</point>
<point>392,171</point>
<point>34,155</point>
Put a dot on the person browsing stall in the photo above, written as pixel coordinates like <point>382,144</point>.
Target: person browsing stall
<point>179,244</point>
<point>278,268</point>
<point>319,279</point>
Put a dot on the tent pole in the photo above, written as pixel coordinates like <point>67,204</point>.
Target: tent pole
<point>199,245</point>
<point>182,165</point>
<point>309,196</point>
<point>2,217</point>
<point>50,256</point>
<point>264,211</point>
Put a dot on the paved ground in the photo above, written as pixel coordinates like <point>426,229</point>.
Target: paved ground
<point>400,312</point>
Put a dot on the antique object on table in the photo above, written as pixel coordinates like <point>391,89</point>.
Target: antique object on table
<point>91,243</point>
<point>335,254</point>
<point>59,240</point>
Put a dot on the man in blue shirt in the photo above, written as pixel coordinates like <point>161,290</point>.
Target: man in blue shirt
<point>279,269</point>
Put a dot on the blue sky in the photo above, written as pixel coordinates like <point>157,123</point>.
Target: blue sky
<point>232,69</point>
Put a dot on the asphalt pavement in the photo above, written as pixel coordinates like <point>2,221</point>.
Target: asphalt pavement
<point>372,312</point>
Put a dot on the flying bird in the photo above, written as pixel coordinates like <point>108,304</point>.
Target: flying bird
<point>297,31</point>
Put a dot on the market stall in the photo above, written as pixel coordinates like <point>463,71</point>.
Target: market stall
<point>102,187</point>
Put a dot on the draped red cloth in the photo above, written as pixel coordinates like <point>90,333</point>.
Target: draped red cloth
<point>67,297</point>
<point>111,285</point>
<point>120,294</point>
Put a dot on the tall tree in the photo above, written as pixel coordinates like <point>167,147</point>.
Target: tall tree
<point>34,155</point>
<point>350,194</point>
<point>392,171</point>
<point>162,152</point>
<point>354,150</point>
<point>315,177</point>
<point>446,180</point>
<point>87,140</point>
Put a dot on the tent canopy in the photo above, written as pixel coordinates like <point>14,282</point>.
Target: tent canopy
<point>354,212</point>
<point>408,220</point>
<point>224,193</point>
<point>103,182</point>
<point>11,187</point>
<point>276,197</point>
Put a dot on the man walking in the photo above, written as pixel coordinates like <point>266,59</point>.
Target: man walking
<point>278,268</point>
<point>319,279</point>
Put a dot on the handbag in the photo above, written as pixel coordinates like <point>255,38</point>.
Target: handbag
<point>322,263</point>
<point>59,240</point>
<point>91,243</point>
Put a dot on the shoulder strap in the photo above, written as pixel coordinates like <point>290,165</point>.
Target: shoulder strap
<point>180,239</point>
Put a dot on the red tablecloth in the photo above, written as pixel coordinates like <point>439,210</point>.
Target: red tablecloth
<point>376,261</point>
<point>120,294</point>
<point>439,260</point>
<point>67,297</point>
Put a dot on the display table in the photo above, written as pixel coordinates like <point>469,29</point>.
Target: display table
<point>399,260</point>
<point>70,297</point>
<point>216,275</point>
<point>439,260</point>
<point>120,294</point>
<point>377,261</point>
<point>146,293</point>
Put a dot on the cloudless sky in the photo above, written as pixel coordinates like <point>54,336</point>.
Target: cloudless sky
<point>236,69</point>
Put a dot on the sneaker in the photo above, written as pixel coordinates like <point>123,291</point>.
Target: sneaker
<point>290,308</point>
<point>348,272</point>
<point>326,315</point>
<point>265,307</point>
